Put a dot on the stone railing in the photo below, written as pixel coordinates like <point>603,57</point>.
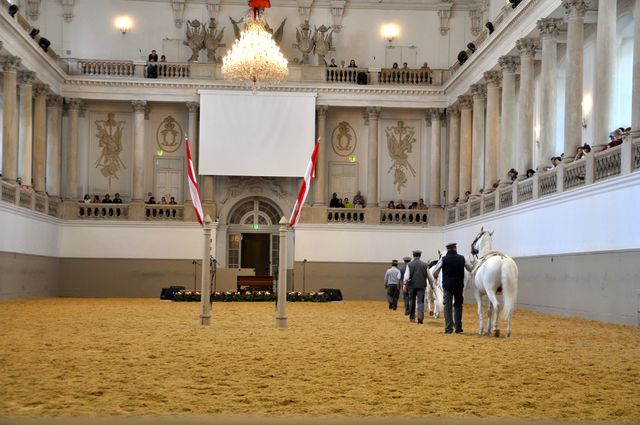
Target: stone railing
<point>345,75</point>
<point>8,193</point>
<point>618,161</point>
<point>346,215</point>
<point>172,69</point>
<point>28,199</point>
<point>409,217</point>
<point>164,212</point>
<point>103,211</point>
<point>405,76</point>
<point>107,68</point>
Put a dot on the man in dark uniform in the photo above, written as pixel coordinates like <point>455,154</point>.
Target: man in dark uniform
<point>415,280</point>
<point>405,293</point>
<point>452,266</point>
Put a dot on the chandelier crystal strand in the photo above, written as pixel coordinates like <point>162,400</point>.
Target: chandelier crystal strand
<point>255,59</point>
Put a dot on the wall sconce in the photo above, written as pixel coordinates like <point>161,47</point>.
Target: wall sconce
<point>390,32</point>
<point>123,24</point>
<point>587,104</point>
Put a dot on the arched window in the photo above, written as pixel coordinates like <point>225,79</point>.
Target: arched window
<point>255,211</point>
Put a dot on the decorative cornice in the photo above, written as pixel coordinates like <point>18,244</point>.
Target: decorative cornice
<point>139,106</point>
<point>493,78</point>
<point>526,46</point>
<point>575,8</point>
<point>549,27</point>
<point>465,102</point>
<point>508,64</point>
<point>479,90</point>
<point>10,63</point>
<point>26,77</point>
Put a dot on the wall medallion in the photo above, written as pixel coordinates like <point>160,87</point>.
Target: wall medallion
<point>400,140</point>
<point>169,135</point>
<point>110,141</point>
<point>343,139</point>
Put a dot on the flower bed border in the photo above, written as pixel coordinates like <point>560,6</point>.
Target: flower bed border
<point>252,296</point>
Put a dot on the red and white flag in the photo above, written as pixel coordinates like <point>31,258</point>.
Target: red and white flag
<point>306,184</point>
<point>193,185</point>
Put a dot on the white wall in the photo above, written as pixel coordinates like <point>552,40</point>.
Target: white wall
<point>25,232</point>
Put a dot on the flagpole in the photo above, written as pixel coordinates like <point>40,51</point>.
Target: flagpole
<point>205,284</point>
<point>281,312</point>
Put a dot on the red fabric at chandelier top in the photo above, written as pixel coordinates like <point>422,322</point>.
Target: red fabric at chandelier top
<point>260,4</point>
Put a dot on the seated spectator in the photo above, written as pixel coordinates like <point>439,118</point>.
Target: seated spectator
<point>358,200</point>
<point>391,205</point>
<point>405,65</point>
<point>425,66</point>
<point>467,194</point>
<point>153,56</point>
<point>427,76</point>
<point>86,199</point>
<point>352,64</point>
<point>421,205</point>
<point>342,63</point>
<point>96,199</point>
<point>335,202</point>
<point>346,203</point>
<point>395,65</point>
<point>530,173</point>
<point>163,58</point>
<point>512,174</point>
<point>333,63</point>
<point>117,199</point>
<point>579,153</point>
<point>615,138</point>
<point>152,68</point>
<point>107,199</point>
<point>414,205</point>
<point>586,150</point>
<point>556,160</point>
<point>163,200</point>
<point>152,200</point>
<point>400,205</point>
<point>172,201</point>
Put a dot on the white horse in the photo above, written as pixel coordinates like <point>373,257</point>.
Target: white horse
<point>434,295</point>
<point>494,272</point>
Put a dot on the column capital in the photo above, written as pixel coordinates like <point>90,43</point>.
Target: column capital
<point>508,64</point>
<point>493,78</point>
<point>526,46</point>
<point>40,89</point>
<point>54,101</point>
<point>575,8</point>
<point>373,112</point>
<point>193,107</point>
<point>26,77</point>
<point>434,114</point>
<point>10,63</point>
<point>139,106</point>
<point>453,109</point>
<point>465,102</point>
<point>321,110</point>
<point>549,27</point>
<point>479,90</point>
<point>74,104</point>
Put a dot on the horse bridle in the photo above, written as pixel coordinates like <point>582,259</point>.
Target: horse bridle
<point>474,250</point>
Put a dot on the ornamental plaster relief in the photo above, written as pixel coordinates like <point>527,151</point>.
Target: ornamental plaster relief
<point>401,151</point>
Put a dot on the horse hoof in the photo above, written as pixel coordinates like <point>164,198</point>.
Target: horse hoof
<point>496,333</point>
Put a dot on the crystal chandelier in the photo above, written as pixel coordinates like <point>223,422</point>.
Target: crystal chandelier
<point>255,59</point>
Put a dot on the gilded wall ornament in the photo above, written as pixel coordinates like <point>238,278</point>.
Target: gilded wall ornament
<point>169,135</point>
<point>110,141</point>
<point>400,140</point>
<point>344,139</point>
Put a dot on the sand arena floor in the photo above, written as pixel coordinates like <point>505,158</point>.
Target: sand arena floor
<point>141,357</point>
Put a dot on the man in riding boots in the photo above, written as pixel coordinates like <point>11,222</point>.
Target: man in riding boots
<point>405,293</point>
<point>415,281</point>
<point>452,266</point>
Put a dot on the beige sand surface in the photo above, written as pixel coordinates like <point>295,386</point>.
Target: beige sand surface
<point>141,357</point>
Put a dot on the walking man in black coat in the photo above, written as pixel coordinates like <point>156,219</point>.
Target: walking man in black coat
<point>415,280</point>
<point>452,266</point>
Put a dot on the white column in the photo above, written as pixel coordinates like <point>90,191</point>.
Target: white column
<point>25,134</point>
<point>40,137</point>
<point>192,132</point>
<point>205,277</point>
<point>492,138</point>
<point>479,92</point>
<point>372,187</point>
<point>549,30</point>
<point>635,112</point>
<point>53,169</point>
<point>453,176</point>
<point>281,308</point>
<point>71,192</point>
<point>434,160</point>
<point>524,150</point>
<point>605,65</point>
<point>465,103</point>
<point>10,66</point>
<point>320,190</point>
<point>139,107</point>
<point>573,83</point>
<point>506,159</point>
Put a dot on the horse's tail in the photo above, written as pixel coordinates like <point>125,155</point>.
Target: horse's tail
<point>509,286</point>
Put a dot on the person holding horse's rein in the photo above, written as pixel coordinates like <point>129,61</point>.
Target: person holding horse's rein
<point>452,266</point>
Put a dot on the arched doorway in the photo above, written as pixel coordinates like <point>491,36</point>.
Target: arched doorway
<point>253,236</point>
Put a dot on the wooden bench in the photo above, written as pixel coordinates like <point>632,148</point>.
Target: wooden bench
<point>255,283</point>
